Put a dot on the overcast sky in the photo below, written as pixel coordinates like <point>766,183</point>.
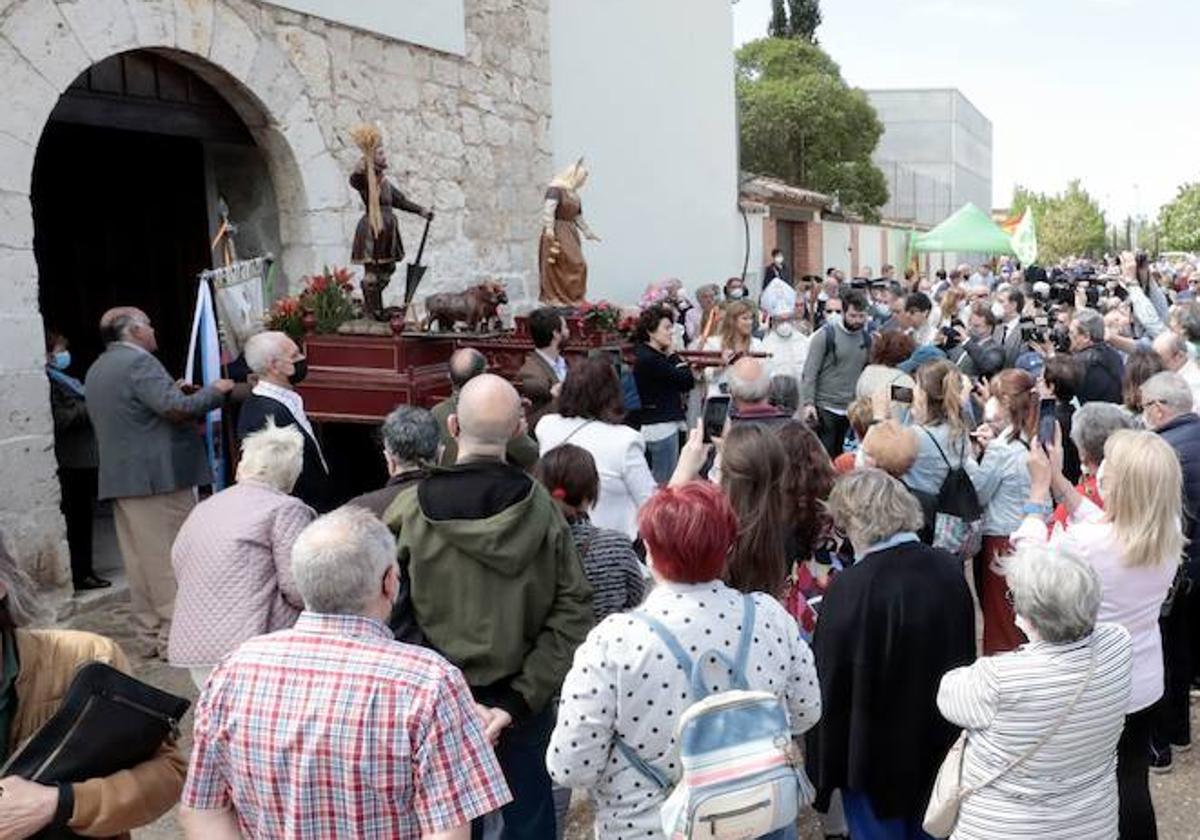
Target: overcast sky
<point>1104,90</point>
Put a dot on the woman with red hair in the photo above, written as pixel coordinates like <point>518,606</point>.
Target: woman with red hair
<point>625,679</point>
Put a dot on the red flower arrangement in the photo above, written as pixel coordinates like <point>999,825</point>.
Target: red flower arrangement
<point>326,297</point>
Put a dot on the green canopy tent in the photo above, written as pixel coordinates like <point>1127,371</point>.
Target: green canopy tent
<point>968,230</point>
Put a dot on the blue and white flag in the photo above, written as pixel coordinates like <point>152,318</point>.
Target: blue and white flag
<point>206,347</point>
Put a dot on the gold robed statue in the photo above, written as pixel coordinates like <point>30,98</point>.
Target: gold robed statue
<point>562,268</point>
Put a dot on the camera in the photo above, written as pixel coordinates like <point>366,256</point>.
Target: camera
<point>950,334</point>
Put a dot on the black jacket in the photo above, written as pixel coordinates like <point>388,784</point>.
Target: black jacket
<point>981,358</point>
<point>1183,433</point>
<point>312,487</point>
<point>891,625</point>
<point>662,380</point>
<point>1103,371</point>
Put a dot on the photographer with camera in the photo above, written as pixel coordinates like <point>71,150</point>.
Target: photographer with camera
<point>1103,369</point>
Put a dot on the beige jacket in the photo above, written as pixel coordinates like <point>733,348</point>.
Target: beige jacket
<point>104,807</point>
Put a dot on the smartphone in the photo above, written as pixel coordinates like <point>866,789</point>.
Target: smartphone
<point>716,411</point>
<point>901,394</point>
<point>1047,419</point>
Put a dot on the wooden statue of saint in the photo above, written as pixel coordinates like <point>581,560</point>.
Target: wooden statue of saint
<point>377,243</point>
<point>562,268</point>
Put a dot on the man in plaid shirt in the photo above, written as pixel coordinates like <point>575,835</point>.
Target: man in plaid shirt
<point>332,729</point>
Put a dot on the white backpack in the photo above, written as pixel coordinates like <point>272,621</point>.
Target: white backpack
<point>742,775</point>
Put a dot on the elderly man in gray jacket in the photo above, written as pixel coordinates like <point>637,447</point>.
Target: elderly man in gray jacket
<point>151,460</point>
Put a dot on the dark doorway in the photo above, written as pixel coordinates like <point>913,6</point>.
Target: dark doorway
<point>120,217</point>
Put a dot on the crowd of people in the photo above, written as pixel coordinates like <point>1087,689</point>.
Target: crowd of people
<point>926,517</point>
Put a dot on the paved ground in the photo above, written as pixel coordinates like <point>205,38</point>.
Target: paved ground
<point>1176,795</point>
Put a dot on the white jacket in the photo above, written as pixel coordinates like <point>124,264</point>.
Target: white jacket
<point>620,454</point>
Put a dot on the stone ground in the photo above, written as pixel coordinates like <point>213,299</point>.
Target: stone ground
<point>1176,795</point>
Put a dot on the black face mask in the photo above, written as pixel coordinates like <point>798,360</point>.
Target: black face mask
<point>301,371</point>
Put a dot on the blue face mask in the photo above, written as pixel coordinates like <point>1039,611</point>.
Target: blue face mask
<point>61,360</point>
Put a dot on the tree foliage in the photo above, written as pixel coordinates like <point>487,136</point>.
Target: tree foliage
<point>795,19</point>
<point>802,123</point>
<point>1179,220</point>
<point>1069,223</point>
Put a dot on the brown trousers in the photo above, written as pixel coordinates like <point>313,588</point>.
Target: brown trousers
<point>146,529</point>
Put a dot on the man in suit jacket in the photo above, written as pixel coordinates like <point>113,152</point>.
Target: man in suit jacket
<point>465,365</point>
<point>280,367</point>
<point>151,459</point>
<point>1007,309</point>
<point>542,375</point>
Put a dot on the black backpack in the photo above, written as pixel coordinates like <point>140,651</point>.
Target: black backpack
<point>957,527</point>
<point>830,333</point>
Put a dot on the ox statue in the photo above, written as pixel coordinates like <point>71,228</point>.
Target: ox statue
<point>476,307</point>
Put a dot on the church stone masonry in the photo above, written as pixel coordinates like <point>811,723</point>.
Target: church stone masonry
<point>468,135</point>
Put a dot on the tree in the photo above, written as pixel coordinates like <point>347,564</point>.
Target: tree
<point>1179,220</point>
<point>804,16</point>
<point>802,123</point>
<point>1068,224</point>
<point>796,19</point>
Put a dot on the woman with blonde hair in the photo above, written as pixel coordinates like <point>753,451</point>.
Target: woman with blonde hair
<point>735,336</point>
<point>1135,545</point>
<point>943,438</point>
<point>560,251</point>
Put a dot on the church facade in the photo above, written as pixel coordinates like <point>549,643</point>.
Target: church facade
<point>129,126</point>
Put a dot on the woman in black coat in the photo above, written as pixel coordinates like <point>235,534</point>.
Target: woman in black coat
<point>890,626</point>
<point>662,379</point>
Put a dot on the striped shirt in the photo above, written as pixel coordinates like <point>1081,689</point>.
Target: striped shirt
<point>611,567</point>
<point>1068,788</point>
<point>334,730</point>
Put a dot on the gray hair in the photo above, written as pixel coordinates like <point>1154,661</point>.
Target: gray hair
<point>263,348</point>
<point>1170,389</point>
<point>749,390</point>
<point>1055,590</point>
<point>1189,321</point>
<point>273,455</point>
<point>410,434</point>
<point>1091,426</point>
<point>870,506</point>
<point>20,601</point>
<point>784,393</point>
<point>339,560</point>
<point>712,288</point>
<point>1090,323</point>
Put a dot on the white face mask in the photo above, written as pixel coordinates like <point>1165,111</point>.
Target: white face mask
<point>779,260</point>
<point>998,309</point>
<point>784,329</point>
<point>835,319</point>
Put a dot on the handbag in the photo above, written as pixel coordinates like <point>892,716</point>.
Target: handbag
<point>108,721</point>
<point>949,792</point>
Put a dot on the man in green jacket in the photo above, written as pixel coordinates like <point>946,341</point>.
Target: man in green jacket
<point>496,586</point>
<point>465,364</point>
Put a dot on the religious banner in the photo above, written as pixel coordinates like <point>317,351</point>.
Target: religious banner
<point>204,352</point>
<point>240,290</point>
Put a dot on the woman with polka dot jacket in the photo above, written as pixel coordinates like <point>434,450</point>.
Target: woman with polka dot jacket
<point>624,682</point>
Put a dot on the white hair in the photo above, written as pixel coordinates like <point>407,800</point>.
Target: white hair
<point>340,559</point>
<point>1054,590</point>
<point>273,455</point>
<point>1171,389</point>
<point>263,348</point>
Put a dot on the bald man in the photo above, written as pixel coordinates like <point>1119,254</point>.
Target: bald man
<point>1173,350</point>
<point>465,364</point>
<point>497,588</point>
<point>151,460</point>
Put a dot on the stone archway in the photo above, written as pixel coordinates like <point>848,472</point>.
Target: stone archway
<point>44,46</point>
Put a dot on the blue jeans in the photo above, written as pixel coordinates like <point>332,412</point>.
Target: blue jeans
<point>862,822</point>
<point>663,455</point>
<point>522,755</point>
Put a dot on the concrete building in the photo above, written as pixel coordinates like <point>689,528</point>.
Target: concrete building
<point>126,122</point>
<point>936,152</point>
<point>652,109</point>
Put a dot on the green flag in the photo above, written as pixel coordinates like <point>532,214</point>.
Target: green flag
<point>1024,239</point>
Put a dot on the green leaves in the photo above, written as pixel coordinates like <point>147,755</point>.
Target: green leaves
<point>1069,224</point>
<point>801,123</point>
<point>1179,220</point>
